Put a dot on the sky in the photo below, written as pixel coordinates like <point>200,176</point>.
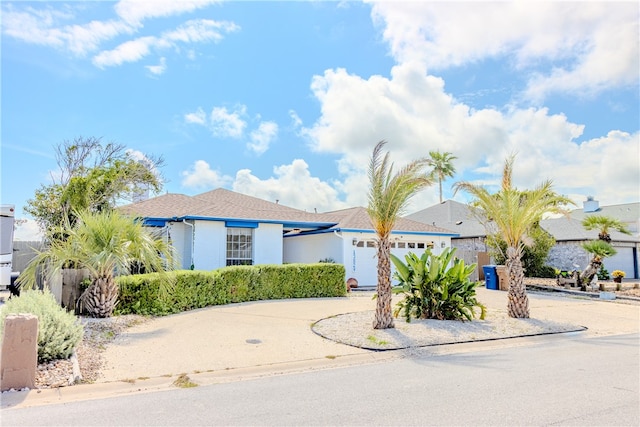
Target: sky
<point>286,100</point>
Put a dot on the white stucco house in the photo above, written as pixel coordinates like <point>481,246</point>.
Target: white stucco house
<point>221,227</point>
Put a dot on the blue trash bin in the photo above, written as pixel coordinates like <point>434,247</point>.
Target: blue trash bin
<point>490,277</point>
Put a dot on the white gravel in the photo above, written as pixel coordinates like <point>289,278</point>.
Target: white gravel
<point>356,329</point>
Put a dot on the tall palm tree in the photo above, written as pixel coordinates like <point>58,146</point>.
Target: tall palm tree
<point>389,195</point>
<point>442,167</point>
<point>512,213</point>
<point>107,244</point>
<point>603,224</point>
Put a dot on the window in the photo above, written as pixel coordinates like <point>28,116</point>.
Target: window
<point>371,244</point>
<point>420,245</point>
<point>239,246</point>
<point>411,245</point>
<point>401,245</point>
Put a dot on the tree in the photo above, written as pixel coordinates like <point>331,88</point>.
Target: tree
<point>512,213</point>
<point>534,254</point>
<point>93,176</point>
<point>603,224</point>
<point>107,244</point>
<point>389,195</point>
<point>442,167</point>
<point>599,249</point>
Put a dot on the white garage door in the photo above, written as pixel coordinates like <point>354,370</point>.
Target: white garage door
<point>623,260</point>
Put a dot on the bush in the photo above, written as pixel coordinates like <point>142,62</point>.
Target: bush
<point>59,332</point>
<point>433,290</point>
<point>140,294</point>
<point>547,272</point>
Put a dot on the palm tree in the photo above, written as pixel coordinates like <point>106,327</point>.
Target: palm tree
<point>107,244</point>
<point>603,224</point>
<point>599,249</point>
<point>389,195</point>
<point>512,214</point>
<point>442,167</point>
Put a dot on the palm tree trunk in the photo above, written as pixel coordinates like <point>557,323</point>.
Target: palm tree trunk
<point>587,275</point>
<point>518,304</point>
<point>384,316</point>
<point>101,297</point>
<point>440,186</point>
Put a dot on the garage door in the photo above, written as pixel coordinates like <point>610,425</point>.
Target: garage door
<point>623,260</point>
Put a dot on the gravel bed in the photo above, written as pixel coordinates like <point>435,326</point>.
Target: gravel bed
<point>88,356</point>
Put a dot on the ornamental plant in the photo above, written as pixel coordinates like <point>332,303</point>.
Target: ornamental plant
<point>436,287</point>
<point>618,273</point>
<point>59,332</point>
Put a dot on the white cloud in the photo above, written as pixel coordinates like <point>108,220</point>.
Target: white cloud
<point>570,46</point>
<point>202,30</point>
<point>46,27</point>
<point>262,137</point>
<point>412,111</point>
<point>158,69</point>
<point>198,117</point>
<point>27,230</point>
<point>136,11</point>
<point>200,175</point>
<point>292,185</point>
<point>130,51</point>
<point>224,123</point>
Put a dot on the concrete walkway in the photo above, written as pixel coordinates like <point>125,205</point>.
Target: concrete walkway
<point>249,340</point>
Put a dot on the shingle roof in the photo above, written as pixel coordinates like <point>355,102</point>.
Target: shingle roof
<point>626,212</point>
<point>358,219</point>
<point>459,218</point>
<point>226,204</point>
<point>451,215</point>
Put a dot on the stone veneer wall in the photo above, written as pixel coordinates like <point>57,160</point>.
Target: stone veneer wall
<point>566,255</point>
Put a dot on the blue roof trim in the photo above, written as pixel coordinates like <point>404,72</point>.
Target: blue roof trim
<point>241,224</point>
<point>154,222</point>
<point>289,224</point>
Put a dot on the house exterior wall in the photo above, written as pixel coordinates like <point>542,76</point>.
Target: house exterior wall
<point>209,245</point>
<point>313,248</point>
<point>470,244</point>
<point>267,244</point>
<point>180,236</point>
<point>356,250</point>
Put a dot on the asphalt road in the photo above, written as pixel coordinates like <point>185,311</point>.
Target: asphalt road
<point>562,380</point>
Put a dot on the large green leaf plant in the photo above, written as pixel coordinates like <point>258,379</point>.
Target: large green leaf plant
<point>436,287</point>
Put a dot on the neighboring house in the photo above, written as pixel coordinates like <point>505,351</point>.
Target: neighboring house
<point>221,227</point>
<point>568,231</point>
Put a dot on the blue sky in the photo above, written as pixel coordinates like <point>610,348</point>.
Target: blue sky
<point>285,100</point>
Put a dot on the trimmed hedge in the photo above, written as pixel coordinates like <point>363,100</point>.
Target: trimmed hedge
<point>140,294</point>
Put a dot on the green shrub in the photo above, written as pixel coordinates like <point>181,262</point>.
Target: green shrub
<point>433,290</point>
<point>140,294</point>
<point>603,273</point>
<point>547,272</point>
<point>59,332</point>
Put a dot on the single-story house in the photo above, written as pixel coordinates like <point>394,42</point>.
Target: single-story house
<point>568,232</point>
<point>221,227</point>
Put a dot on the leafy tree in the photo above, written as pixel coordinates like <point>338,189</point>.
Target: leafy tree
<point>603,224</point>
<point>389,195</point>
<point>93,176</point>
<point>107,244</point>
<point>442,167</point>
<point>512,214</point>
<point>534,253</point>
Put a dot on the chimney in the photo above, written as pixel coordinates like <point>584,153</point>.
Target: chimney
<point>590,205</point>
